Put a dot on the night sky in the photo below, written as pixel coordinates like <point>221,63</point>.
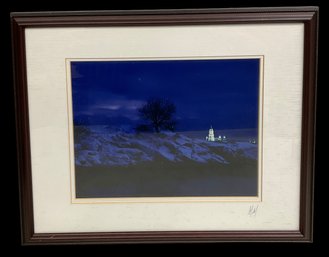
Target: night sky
<point>221,93</point>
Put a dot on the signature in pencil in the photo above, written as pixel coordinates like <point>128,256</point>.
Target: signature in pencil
<point>253,210</point>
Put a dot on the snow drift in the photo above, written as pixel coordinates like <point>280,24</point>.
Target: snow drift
<point>105,146</point>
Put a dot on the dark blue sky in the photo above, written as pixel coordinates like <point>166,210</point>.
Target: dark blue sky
<point>221,93</point>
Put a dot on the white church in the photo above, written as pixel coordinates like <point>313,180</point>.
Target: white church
<point>211,136</point>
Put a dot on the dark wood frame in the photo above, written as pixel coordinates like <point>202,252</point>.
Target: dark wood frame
<point>306,15</point>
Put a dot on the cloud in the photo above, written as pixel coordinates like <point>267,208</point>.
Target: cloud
<point>120,104</point>
<point>108,107</point>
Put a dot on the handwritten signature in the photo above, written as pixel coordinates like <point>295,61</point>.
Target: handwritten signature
<point>253,210</point>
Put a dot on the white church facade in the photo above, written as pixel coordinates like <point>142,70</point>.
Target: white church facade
<point>211,136</point>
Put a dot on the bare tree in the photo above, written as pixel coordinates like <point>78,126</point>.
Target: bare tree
<point>159,113</point>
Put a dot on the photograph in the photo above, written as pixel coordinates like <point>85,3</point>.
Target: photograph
<point>142,126</point>
<point>166,128</point>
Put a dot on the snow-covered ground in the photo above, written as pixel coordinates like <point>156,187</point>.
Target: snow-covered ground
<point>105,146</point>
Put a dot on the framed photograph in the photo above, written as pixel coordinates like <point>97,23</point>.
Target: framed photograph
<point>166,125</point>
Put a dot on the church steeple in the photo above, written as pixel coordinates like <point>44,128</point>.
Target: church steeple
<point>211,135</point>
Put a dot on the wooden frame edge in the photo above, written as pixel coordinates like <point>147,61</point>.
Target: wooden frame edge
<point>308,126</point>
<point>165,237</point>
<point>22,132</point>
